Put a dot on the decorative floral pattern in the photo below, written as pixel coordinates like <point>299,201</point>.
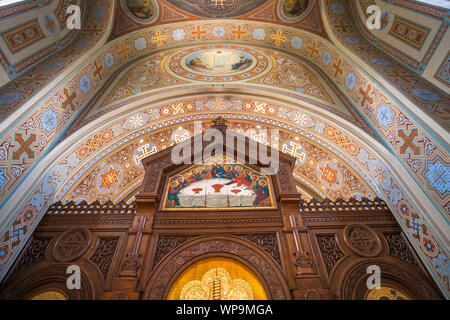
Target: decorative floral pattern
<point>365,94</point>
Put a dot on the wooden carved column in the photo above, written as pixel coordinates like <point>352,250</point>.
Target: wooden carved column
<point>130,266</point>
<point>134,267</point>
<point>147,206</point>
<point>303,268</point>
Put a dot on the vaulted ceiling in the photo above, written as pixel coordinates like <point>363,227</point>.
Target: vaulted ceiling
<point>370,106</point>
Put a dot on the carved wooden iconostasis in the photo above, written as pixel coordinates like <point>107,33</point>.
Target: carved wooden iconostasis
<point>219,230</point>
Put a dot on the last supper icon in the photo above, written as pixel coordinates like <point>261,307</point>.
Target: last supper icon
<point>220,186</point>
<point>219,62</point>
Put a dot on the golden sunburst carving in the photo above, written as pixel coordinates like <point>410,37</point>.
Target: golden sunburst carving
<point>217,284</point>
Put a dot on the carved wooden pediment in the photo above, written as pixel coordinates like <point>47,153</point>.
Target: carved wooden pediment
<point>208,179</point>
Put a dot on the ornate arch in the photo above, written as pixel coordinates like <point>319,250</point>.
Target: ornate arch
<point>352,285</point>
<point>420,150</point>
<point>298,45</point>
<point>197,249</point>
<point>44,193</point>
<point>40,278</point>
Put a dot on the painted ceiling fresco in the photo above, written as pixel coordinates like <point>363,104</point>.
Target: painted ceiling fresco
<point>412,42</point>
<point>168,71</point>
<point>26,42</point>
<point>217,64</point>
<point>114,176</point>
<point>217,8</point>
<point>140,91</point>
<point>293,9</point>
<point>298,13</point>
<point>17,92</point>
<point>431,99</point>
<point>142,9</point>
<point>103,143</point>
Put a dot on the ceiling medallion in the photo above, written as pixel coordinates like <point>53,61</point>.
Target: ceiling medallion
<point>141,11</point>
<point>294,10</point>
<point>218,63</point>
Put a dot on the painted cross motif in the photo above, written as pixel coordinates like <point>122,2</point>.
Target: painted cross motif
<point>123,51</point>
<point>49,24</point>
<point>199,32</point>
<point>143,152</point>
<point>407,77</point>
<point>238,32</point>
<point>159,38</point>
<point>409,141</point>
<point>219,4</point>
<point>337,67</point>
<point>341,26</point>
<point>295,150</point>
<point>24,146</point>
<point>313,51</point>
<point>33,79</point>
<point>278,38</point>
<point>69,100</point>
<point>259,107</point>
<point>329,174</point>
<point>366,96</point>
<point>444,114</point>
<point>98,70</point>
<point>178,108</point>
<point>110,178</point>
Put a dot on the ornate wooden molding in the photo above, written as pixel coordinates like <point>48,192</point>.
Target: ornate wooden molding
<point>96,207</point>
<point>398,247</point>
<point>54,274</point>
<point>340,205</point>
<point>104,254</point>
<point>329,248</point>
<point>215,221</point>
<point>267,242</point>
<point>186,254</point>
<point>34,254</point>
